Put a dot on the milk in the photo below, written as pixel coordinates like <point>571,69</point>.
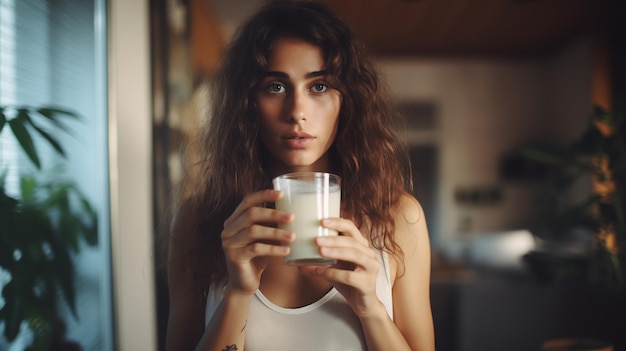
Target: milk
<point>310,201</point>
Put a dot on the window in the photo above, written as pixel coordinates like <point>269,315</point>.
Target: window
<point>52,52</point>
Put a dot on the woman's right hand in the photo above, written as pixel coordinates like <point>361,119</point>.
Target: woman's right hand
<point>250,237</point>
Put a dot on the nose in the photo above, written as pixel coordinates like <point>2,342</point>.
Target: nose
<point>299,110</point>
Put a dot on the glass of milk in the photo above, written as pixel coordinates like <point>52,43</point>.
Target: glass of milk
<point>311,197</point>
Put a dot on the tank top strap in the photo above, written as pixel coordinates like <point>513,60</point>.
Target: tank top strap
<point>383,282</point>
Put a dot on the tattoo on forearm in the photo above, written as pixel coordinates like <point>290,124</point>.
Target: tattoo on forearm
<point>233,347</point>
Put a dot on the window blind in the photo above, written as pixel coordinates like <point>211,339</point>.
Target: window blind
<point>49,55</point>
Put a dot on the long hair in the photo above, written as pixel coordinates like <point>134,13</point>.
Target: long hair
<point>366,153</point>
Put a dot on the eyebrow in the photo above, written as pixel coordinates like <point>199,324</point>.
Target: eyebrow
<point>284,75</point>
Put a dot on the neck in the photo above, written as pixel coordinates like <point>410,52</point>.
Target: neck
<point>321,165</point>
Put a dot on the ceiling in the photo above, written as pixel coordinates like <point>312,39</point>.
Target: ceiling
<point>466,27</point>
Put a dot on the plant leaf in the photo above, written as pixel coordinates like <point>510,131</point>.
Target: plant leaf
<point>27,187</point>
<point>53,142</point>
<point>90,231</point>
<point>23,137</point>
<point>600,114</point>
<point>64,268</point>
<point>3,119</point>
<point>554,158</point>
<point>53,113</point>
<point>69,226</point>
<point>13,312</point>
<point>90,226</point>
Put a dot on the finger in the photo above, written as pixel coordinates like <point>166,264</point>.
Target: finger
<point>252,200</point>
<point>252,216</point>
<point>359,258</point>
<point>351,278</point>
<point>258,233</point>
<point>256,249</point>
<point>338,245</point>
<point>345,227</point>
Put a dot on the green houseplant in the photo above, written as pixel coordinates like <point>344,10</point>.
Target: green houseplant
<point>600,152</point>
<point>40,230</point>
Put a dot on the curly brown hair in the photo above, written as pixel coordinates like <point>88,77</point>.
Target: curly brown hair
<point>366,153</point>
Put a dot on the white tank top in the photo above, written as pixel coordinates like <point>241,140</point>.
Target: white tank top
<point>327,324</point>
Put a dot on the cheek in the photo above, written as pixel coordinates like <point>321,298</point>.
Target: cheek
<point>268,108</point>
<point>332,113</point>
<point>265,112</point>
<point>334,130</point>
<point>267,121</point>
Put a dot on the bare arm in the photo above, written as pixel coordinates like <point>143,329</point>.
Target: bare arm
<point>226,330</point>
<point>246,246</point>
<point>412,328</point>
<point>411,290</point>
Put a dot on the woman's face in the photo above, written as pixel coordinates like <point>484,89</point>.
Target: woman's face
<point>299,112</point>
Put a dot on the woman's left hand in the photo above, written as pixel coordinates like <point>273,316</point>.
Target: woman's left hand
<point>354,276</point>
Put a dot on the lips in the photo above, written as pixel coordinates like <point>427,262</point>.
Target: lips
<point>297,140</point>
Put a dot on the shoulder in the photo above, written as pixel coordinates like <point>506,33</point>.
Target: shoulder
<point>411,285</point>
<point>411,233</point>
<point>408,210</point>
<point>410,222</point>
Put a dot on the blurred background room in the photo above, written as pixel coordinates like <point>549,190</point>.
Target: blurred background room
<point>511,117</point>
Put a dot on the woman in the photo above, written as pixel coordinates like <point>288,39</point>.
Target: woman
<point>296,92</point>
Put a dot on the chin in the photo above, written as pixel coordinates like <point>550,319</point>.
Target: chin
<point>301,164</point>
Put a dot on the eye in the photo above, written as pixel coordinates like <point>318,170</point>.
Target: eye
<point>275,88</point>
<point>319,87</point>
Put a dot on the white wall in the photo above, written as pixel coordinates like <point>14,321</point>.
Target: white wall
<point>130,149</point>
<point>487,108</point>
